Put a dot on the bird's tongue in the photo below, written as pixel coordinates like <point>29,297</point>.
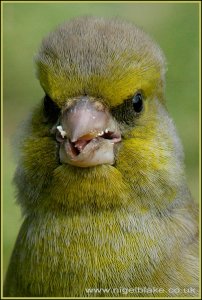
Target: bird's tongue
<point>83,141</point>
<point>80,144</point>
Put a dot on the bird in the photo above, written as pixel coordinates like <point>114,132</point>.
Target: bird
<point>101,181</point>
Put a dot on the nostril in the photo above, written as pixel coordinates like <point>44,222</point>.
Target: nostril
<point>99,106</point>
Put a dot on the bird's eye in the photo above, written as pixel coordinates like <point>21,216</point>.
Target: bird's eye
<point>137,101</point>
<point>124,112</point>
<point>51,110</point>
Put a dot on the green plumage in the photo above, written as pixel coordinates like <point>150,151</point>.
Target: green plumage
<point>126,225</point>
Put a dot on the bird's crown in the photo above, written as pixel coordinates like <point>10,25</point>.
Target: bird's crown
<point>109,59</point>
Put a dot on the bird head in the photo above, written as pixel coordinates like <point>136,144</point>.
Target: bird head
<point>102,124</point>
<point>89,68</point>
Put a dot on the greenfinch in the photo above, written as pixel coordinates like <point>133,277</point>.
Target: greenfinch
<point>100,179</point>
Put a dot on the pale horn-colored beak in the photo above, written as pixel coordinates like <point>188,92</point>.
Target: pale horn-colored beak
<point>87,133</point>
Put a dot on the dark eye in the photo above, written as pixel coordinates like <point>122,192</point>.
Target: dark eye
<point>137,102</point>
<point>51,110</point>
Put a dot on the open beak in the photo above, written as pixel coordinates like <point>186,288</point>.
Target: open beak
<point>87,134</point>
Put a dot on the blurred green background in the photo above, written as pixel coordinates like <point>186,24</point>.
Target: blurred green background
<point>173,25</point>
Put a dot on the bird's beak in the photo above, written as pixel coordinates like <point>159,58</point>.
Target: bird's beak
<point>87,134</point>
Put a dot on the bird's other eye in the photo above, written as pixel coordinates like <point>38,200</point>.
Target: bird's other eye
<point>50,109</point>
<point>137,102</point>
<point>130,110</point>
